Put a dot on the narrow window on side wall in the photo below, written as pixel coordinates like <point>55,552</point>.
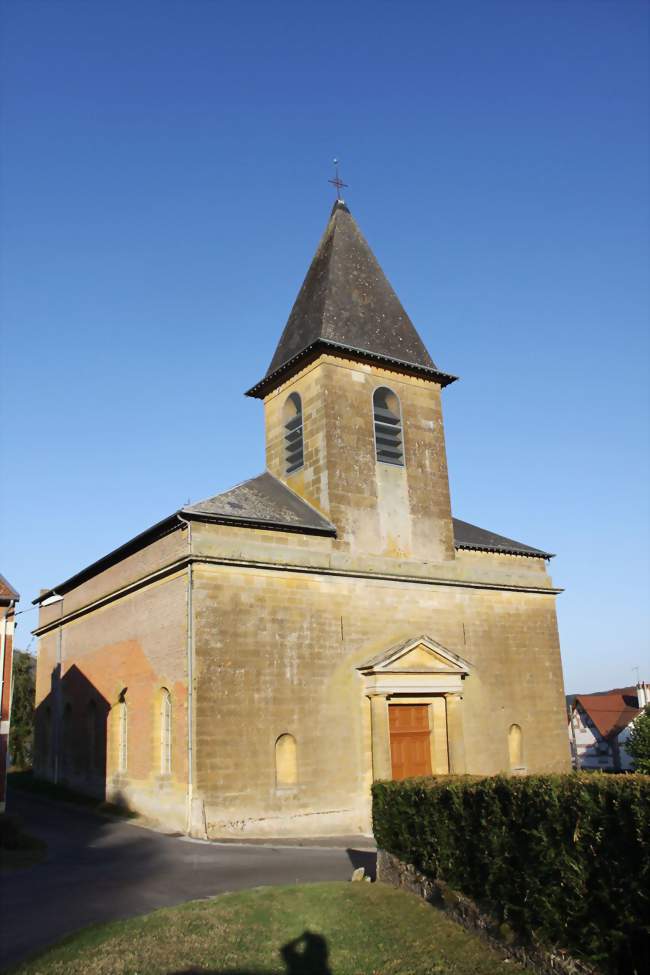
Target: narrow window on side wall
<point>516,748</point>
<point>286,761</point>
<point>123,748</point>
<point>165,732</point>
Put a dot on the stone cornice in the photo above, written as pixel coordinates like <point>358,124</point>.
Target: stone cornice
<point>180,565</point>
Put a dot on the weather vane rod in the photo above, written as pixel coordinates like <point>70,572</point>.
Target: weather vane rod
<point>337,181</point>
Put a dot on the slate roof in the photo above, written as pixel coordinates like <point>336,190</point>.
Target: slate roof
<point>346,304</point>
<point>7,591</point>
<point>610,711</point>
<point>264,501</point>
<point>473,537</point>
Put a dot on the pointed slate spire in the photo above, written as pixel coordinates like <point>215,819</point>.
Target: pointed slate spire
<point>347,304</point>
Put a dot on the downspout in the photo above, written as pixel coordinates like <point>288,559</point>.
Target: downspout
<point>190,681</point>
<point>57,700</point>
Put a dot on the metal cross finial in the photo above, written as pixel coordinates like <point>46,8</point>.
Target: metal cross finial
<point>337,181</point>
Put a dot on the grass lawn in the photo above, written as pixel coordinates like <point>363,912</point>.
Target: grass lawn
<point>351,929</point>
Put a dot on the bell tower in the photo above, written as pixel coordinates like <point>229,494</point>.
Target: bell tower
<point>353,407</point>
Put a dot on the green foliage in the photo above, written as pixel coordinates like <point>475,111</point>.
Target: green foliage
<point>638,744</point>
<point>565,858</point>
<point>21,729</point>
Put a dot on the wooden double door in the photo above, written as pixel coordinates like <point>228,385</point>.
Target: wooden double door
<point>410,740</point>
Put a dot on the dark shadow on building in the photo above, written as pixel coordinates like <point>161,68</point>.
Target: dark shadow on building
<point>71,734</point>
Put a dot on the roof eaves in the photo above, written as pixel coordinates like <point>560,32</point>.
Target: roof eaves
<point>10,593</point>
<point>533,553</point>
<point>161,528</point>
<point>314,349</point>
<point>300,528</point>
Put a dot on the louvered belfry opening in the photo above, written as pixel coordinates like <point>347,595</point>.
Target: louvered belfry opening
<point>293,439</point>
<point>388,427</point>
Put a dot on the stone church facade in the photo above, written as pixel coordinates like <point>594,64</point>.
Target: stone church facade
<point>248,665</point>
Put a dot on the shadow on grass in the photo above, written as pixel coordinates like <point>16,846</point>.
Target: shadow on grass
<point>306,955</point>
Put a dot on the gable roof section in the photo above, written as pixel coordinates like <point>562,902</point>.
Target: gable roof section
<point>480,539</point>
<point>7,591</point>
<point>610,711</point>
<point>346,304</point>
<point>262,502</point>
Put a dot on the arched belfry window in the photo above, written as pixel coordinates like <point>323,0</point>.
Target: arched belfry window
<point>293,440</point>
<point>388,427</point>
<point>165,732</point>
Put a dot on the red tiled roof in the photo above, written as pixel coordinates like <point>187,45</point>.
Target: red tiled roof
<point>7,591</point>
<point>611,711</point>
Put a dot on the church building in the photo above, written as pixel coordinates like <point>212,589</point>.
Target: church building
<point>248,665</point>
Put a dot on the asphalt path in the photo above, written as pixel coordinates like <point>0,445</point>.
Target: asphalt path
<point>100,869</point>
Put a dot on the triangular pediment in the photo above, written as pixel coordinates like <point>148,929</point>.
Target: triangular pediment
<point>420,655</point>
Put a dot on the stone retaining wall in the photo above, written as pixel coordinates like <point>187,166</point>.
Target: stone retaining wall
<point>544,961</point>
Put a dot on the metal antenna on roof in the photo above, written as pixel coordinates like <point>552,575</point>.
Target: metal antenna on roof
<point>637,674</point>
<point>337,181</point>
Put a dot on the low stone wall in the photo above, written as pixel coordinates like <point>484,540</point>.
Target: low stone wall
<point>544,961</point>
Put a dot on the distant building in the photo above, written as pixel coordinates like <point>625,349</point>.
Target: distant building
<point>8,599</point>
<point>600,724</point>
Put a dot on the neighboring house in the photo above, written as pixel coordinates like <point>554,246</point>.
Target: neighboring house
<point>250,663</point>
<point>8,600</point>
<point>600,724</point>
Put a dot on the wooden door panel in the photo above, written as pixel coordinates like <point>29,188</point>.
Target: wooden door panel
<point>410,740</point>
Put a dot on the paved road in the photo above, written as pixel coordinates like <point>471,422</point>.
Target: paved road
<point>98,869</point>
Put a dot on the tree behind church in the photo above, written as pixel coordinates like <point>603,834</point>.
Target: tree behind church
<point>638,744</point>
<point>21,730</point>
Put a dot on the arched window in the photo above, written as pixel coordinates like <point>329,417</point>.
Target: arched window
<point>515,748</point>
<point>48,757</point>
<point>122,741</point>
<point>91,728</point>
<point>165,732</point>
<point>293,440</point>
<point>68,737</point>
<point>388,427</point>
<point>286,764</point>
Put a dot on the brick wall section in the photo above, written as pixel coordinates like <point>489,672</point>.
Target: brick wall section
<point>137,644</point>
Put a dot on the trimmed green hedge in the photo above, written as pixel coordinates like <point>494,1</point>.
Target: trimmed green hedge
<point>566,857</point>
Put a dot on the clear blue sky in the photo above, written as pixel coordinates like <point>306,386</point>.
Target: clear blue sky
<point>164,185</point>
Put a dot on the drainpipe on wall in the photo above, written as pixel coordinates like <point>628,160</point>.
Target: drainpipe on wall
<point>57,702</point>
<point>195,816</point>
